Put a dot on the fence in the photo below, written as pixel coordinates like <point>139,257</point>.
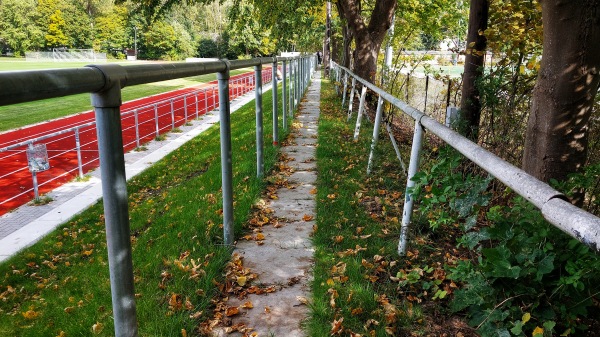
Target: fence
<point>74,148</point>
<point>554,206</point>
<point>105,82</point>
<point>69,55</point>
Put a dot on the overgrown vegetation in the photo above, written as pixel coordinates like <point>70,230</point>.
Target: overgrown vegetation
<point>60,286</point>
<point>476,250</point>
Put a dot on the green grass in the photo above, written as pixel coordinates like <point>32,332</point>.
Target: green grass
<point>60,286</point>
<point>19,115</point>
<point>357,235</point>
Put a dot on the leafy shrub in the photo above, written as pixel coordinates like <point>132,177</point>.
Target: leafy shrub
<point>528,278</point>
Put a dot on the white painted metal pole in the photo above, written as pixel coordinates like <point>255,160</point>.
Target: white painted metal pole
<point>413,166</point>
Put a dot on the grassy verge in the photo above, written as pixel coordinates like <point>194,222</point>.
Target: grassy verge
<point>361,286</point>
<point>60,286</point>
<point>19,115</point>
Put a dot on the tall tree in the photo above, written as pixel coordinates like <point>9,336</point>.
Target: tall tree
<point>567,83</point>
<point>327,40</point>
<point>470,105</point>
<point>17,26</point>
<point>55,36</point>
<point>368,32</point>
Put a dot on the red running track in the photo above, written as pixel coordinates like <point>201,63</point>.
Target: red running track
<point>155,115</point>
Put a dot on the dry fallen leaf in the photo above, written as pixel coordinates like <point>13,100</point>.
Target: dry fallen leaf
<point>336,326</point>
<point>30,314</point>
<point>232,311</point>
<point>302,299</point>
<point>247,305</point>
<point>307,217</point>
<point>97,328</point>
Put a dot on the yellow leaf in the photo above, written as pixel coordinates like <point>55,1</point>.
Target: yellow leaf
<point>61,334</point>
<point>538,331</point>
<point>307,217</point>
<point>30,314</point>
<point>260,236</point>
<point>241,280</point>
<point>526,317</point>
<point>247,305</point>
<point>183,333</point>
<point>313,191</point>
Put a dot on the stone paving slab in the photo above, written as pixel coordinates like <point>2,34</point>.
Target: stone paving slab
<point>285,259</point>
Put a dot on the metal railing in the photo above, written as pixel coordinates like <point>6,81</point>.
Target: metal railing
<point>105,82</point>
<point>554,206</point>
<point>141,123</point>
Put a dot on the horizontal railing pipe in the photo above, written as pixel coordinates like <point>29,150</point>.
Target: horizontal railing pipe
<point>32,85</point>
<point>554,205</point>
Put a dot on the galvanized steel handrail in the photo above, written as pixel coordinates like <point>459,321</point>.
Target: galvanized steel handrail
<point>554,205</point>
<point>32,85</point>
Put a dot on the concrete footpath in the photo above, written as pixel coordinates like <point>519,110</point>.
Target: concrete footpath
<point>27,224</point>
<point>284,260</point>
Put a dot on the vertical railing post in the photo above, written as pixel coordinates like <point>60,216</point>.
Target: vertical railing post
<point>205,102</point>
<point>137,128</point>
<point>185,109</point>
<point>351,101</point>
<point>172,115</point>
<point>361,108</point>
<point>107,105</point>
<point>298,84</point>
<point>196,102</point>
<point>378,115</point>
<point>284,95</point>
<point>156,120</point>
<point>345,89</point>
<point>78,148</point>
<point>226,166</point>
<point>291,89</point>
<point>259,121</point>
<point>415,155</point>
<point>275,114</point>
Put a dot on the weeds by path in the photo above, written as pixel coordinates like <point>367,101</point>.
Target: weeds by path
<point>60,286</point>
<point>361,286</point>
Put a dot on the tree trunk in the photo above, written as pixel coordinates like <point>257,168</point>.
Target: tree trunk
<point>557,129</point>
<point>347,38</point>
<point>470,105</point>
<point>327,42</point>
<point>369,37</point>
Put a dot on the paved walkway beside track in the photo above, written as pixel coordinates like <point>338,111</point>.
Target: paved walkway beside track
<point>284,260</point>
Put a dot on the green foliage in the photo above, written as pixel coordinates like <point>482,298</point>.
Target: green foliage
<point>448,192</point>
<point>18,31</point>
<point>111,34</point>
<point>55,36</point>
<point>528,277</point>
<point>586,183</point>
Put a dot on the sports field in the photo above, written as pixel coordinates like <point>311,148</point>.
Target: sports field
<point>149,111</point>
<point>19,115</point>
